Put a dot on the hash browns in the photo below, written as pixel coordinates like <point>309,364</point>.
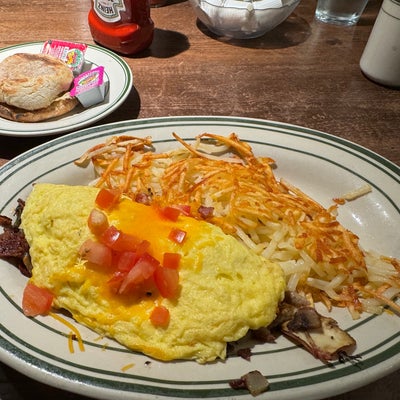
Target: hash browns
<point>321,259</point>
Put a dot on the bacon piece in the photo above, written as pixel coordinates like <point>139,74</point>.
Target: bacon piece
<point>206,212</point>
<point>13,246</point>
<point>143,198</point>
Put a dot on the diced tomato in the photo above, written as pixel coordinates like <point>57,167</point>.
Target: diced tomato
<point>97,222</point>
<point>107,198</point>
<point>116,280</point>
<point>185,209</point>
<point>171,260</point>
<point>126,242</point>
<point>118,240</point>
<point>160,316</point>
<point>171,213</point>
<point>143,269</point>
<point>36,300</point>
<point>143,247</point>
<point>126,260</point>
<point>177,235</point>
<point>96,253</point>
<point>110,236</point>
<point>167,281</point>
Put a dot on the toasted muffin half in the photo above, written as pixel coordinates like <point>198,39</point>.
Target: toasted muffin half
<point>34,87</point>
<point>60,106</point>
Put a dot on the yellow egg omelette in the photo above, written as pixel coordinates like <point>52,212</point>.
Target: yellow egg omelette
<point>224,289</point>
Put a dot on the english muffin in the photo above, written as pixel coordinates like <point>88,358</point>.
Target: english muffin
<point>33,87</point>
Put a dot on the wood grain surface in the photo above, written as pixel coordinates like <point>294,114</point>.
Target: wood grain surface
<point>303,72</point>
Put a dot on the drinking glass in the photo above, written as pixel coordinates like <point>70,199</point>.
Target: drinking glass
<point>340,12</point>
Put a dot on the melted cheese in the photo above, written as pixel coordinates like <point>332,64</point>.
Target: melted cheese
<point>225,289</point>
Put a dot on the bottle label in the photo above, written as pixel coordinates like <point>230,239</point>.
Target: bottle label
<point>109,10</point>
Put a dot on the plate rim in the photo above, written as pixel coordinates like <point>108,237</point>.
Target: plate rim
<point>389,167</point>
<point>379,160</point>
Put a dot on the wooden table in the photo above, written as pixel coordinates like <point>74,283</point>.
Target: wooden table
<point>303,72</point>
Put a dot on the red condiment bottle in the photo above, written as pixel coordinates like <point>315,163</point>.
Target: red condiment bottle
<point>124,26</point>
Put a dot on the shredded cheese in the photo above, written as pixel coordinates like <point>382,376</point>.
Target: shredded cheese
<point>72,335</point>
<point>127,367</point>
<point>71,342</point>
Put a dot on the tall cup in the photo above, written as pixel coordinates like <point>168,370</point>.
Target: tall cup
<point>340,12</point>
<point>380,60</point>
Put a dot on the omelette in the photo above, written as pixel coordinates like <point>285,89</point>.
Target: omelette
<point>224,290</point>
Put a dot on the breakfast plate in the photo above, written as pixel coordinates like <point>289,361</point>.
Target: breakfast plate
<point>322,165</point>
<point>117,73</point>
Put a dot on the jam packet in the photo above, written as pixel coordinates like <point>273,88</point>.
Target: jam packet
<point>73,54</point>
<point>89,87</point>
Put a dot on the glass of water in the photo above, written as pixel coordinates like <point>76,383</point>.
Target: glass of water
<point>340,12</point>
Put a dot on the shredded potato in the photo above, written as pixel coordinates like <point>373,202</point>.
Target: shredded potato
<point>321,259</point>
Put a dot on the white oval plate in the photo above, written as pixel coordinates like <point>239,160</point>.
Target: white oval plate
<point>322,165</point>
<point>119,77</point>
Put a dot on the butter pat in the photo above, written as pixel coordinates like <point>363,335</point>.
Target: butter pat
<point>73,54</point>
<point>89,87</point>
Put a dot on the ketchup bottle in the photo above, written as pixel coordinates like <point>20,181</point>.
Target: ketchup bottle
<point>124,26</point>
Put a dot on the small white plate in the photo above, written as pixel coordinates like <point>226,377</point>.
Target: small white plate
<point>119,77</point>
<point>322,165</point>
